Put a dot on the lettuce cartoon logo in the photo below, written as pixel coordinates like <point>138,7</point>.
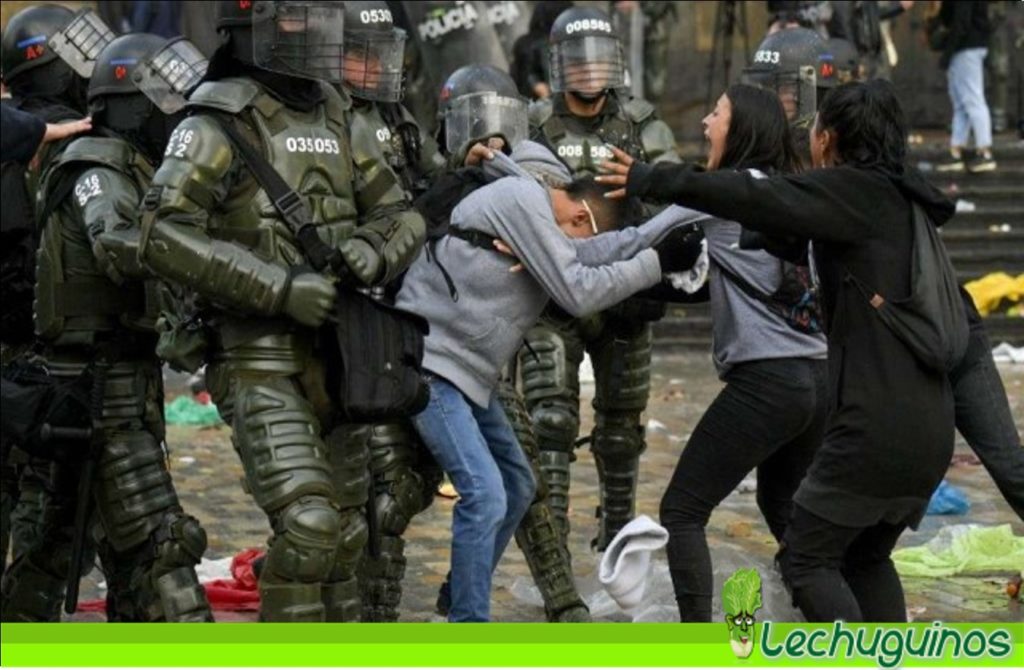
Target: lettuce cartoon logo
<point>741,597</point>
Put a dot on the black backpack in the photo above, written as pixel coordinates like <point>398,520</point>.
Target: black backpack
<point>932,320</point>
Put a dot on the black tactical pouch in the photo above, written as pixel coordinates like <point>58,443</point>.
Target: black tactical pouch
<point>380,356</point>
<point>44,415</point>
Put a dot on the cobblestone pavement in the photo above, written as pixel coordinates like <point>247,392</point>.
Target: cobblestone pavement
<point>208,473</point>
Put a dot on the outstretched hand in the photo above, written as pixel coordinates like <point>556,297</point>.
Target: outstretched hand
<point>618,173</point>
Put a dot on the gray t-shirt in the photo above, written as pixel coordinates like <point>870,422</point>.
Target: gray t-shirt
<point>743,328</point>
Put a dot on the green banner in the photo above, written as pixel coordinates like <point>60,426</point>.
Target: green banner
<point>526,645</point>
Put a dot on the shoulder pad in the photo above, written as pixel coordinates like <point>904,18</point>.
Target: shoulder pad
<point>230,95</point>
<point>540,111</point>
<point>335,100</point>
<point>638,110</point>
<point>110,151</point>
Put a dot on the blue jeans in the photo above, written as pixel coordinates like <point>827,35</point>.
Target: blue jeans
<point>966,77</point>
<point>479,451</point>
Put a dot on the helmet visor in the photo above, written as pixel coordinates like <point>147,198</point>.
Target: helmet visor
<point>80,41</point>
<point>372,68</point>
<point>300,39</point>
<point>479,116</point>
<point>169,75</point>
<point>797,90</point>
<point>587,65</point>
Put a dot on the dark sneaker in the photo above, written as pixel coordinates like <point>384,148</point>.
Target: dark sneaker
<point>981,164</point>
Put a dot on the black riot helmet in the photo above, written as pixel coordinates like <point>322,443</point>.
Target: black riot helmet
<point>585,54</point>
<point>846,60</point>
<point>479,102</point>
<point>30,62</point>
<point>374,51</point>
<point>294,38</point>
<point>795,63</point>
<point>140,82</point>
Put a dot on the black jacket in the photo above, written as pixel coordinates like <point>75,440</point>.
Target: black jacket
<point>22,132</point>
<point>968,24</point>
<point>890,433</point>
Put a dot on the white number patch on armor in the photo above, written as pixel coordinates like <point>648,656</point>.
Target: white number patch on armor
<point>765,56</point>
<point>599,152</point>
<point>180,139</point>
<point>376,16</point>
<point>383,134</point>
<point>588,24</point>
<point>87,189</point>
<point>311,145</point>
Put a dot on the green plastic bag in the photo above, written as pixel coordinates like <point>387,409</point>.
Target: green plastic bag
<point>185,411</point>
<point>963,549</point>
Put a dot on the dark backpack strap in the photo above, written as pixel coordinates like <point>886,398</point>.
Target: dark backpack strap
<point>287,202</point>
<point>744,285</point>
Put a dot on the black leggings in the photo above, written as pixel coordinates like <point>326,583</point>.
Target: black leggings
<point>770,416</point>
<point>836,572</point>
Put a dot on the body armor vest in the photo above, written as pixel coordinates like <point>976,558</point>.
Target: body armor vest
<point>74,299</point>
<point>389,132</point>
<point>311,152</point>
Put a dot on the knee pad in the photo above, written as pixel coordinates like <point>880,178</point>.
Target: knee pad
<point>180,541</point>
<point>620,440</point>
<point>556,426</point>
<point>305,541</point>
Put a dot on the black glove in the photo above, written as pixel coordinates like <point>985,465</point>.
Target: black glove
<point>680,249</point>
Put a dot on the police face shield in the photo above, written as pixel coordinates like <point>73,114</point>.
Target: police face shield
<point>299,39</point>
<point>372,68</point>
<point>169,75</point>
<point>81,40</point>
<point>587,65</point>
<point>479,116</point>
<point>797,90</point>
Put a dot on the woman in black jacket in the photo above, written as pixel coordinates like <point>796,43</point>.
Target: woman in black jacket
<point>890,432</point>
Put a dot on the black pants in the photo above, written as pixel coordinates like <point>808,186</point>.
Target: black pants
<point>836,572</point>
<point>770,416</point>
<point>983,418</point>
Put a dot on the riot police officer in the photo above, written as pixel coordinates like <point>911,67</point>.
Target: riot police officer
<point>42,83</point>
<point>385,135</point>
<point>584,116</point>
<point>797,64</point>
<point>94,315</point>
<point>216,231</point>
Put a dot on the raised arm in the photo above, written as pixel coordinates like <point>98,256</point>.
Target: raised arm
<point>814,205</point>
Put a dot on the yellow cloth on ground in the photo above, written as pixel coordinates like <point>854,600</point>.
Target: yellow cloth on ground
<point>990,291</point>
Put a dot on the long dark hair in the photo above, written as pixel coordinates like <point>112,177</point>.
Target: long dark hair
<point>869,122</point>
<point>759,135</point>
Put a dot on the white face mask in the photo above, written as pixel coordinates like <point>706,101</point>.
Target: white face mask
<point>593,221</point>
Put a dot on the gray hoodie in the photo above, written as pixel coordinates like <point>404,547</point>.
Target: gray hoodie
<point>472,338</point>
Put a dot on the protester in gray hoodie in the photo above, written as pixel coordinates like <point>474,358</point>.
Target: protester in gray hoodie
<point>550,224</point>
